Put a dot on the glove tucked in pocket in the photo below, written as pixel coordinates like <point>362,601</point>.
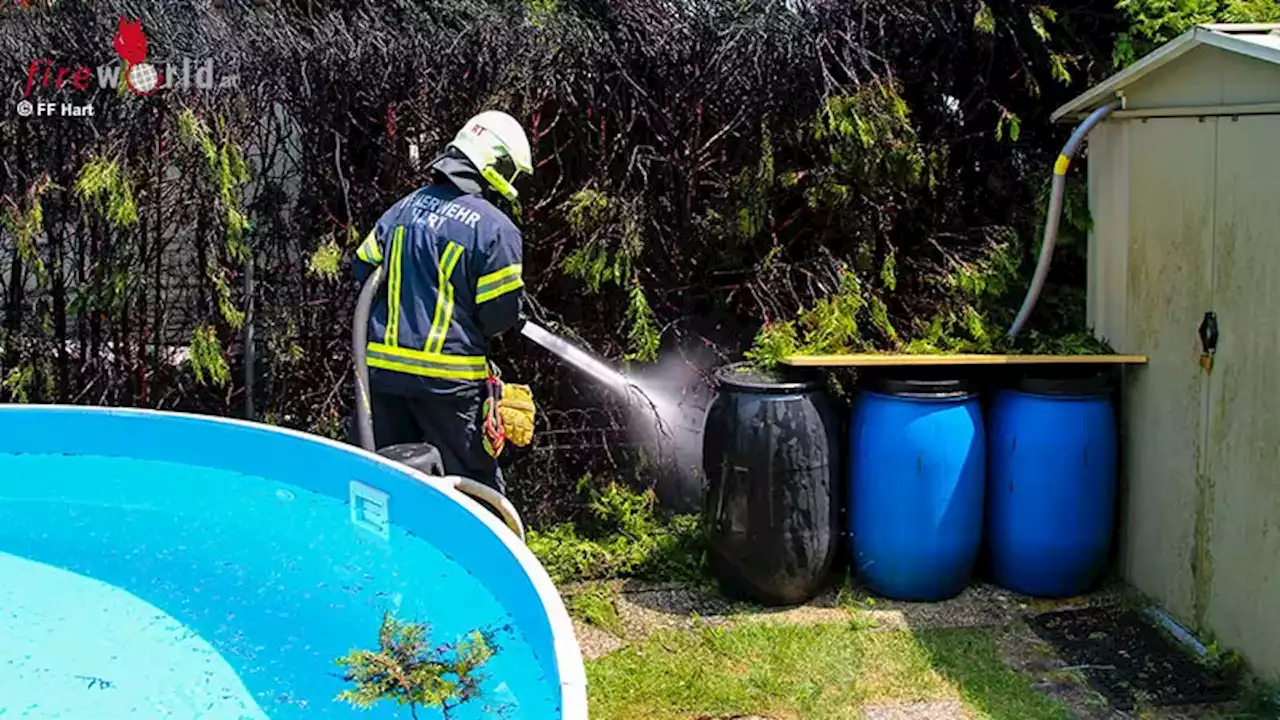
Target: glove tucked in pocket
<point>508,413</point>
<point>517,411</point>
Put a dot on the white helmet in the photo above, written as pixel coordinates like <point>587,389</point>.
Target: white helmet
<point>496,144</point>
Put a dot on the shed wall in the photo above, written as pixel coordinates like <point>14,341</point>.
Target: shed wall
<point>1241,555</point>
<point>1108,243</point>
<point>1187,220</point>
<point>1166,291</point>
<point>1207,76</point>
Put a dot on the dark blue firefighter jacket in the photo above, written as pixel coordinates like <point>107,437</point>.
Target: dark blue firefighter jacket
<point>453,281</point>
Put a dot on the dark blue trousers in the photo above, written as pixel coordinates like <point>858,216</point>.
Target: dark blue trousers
<point>452,423</point>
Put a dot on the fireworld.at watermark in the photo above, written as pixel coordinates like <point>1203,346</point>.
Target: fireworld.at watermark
<point>140,79</point>
<point>134,73</point>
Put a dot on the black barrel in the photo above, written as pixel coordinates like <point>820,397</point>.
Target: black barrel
<point>770,456</point>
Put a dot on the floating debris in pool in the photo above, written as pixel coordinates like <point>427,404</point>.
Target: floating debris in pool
<point>96,682</point>
<point>407,670</point>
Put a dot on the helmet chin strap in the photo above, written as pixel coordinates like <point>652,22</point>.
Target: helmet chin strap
<point>484,159</point>
<point>499,183</point>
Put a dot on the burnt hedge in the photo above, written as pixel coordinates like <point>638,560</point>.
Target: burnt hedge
<point>705,167</point>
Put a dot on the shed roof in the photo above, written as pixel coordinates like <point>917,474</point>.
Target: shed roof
<point>1259,41</point>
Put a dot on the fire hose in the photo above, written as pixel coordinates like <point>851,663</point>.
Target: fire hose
<point>364,414</point>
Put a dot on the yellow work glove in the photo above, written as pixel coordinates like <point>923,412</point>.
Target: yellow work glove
<point>517,411</point>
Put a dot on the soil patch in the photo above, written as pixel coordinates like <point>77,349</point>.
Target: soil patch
<point>1129,660</point>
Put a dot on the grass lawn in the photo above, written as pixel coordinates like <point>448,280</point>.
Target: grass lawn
<point>817,671</point>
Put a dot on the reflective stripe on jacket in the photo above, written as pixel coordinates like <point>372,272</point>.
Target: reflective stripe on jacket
<point>453,275</point>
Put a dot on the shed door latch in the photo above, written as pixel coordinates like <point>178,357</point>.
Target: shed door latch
<point>1208,339</point>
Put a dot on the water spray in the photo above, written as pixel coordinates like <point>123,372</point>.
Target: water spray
<point>575,356</point>
<point>662,418</point>
<point>610,378</point>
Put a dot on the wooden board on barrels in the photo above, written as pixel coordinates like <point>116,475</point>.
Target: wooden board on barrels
<point>901,360</point>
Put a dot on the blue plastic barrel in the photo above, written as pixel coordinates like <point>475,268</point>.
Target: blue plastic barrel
<point>917,478</point>
<point>1052,485</point>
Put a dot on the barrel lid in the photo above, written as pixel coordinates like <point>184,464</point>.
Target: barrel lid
<point>1091,384</point>
<point>746,377</point>
<point>922,387</point>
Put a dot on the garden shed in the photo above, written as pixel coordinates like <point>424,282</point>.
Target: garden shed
<point>1184,267</point>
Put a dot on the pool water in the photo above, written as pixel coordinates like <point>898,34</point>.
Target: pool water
<point>142,589</point>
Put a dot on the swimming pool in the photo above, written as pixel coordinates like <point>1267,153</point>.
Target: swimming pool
<point>161,565</point>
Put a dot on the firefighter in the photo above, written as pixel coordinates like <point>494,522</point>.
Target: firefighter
<point>453,282</point>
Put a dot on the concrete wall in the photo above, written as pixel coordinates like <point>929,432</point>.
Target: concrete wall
<point>1187,220</point>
